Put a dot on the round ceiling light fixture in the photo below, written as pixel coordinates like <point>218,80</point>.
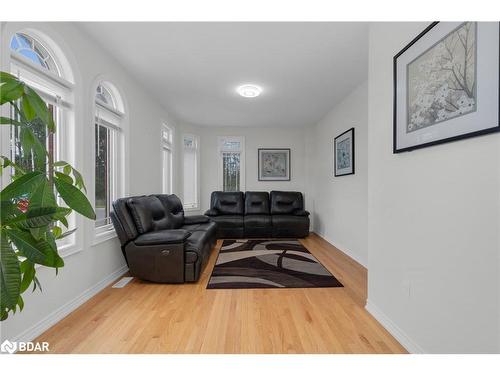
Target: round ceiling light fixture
<point>249,90</point>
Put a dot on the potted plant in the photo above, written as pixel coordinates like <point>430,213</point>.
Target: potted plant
<point>36,204</point>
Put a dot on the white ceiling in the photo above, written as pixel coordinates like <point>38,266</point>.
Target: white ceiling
<point>194,68</point>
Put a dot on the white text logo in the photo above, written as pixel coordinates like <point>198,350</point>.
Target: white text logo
<point>11,346</point>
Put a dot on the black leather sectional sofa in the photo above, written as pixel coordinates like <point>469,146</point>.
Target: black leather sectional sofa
<point>160,244</point>
<point>259,214</point>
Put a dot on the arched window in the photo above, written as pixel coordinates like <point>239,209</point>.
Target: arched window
<point>108,153</point>
<point>40,63</point>
<point>29,47</point>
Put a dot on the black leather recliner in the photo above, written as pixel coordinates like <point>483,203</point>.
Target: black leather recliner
<point>259,214</point>
<point>159,243</point>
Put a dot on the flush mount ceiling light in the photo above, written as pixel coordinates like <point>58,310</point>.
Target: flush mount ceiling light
<point>249,91</point>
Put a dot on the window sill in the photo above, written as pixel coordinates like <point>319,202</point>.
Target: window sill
<point>67,250</point>
<point>190,209</point>
<point>103,234</point>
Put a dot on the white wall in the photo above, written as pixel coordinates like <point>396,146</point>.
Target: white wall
<point>94,264</point>
<point>339,204</point>
<point>255,138</point>
<point>433,224</point>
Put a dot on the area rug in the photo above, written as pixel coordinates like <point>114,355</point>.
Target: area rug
<point>247,264</point>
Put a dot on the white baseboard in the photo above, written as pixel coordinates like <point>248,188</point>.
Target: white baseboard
<point>393,329</point>
<point>37,329</point>
<point>346,251</point>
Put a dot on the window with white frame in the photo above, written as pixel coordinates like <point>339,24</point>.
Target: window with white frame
<point>190,171</point>
<point>34,62</point>
<point>231,163</point>
<point>108,152</point>
<point>167,151</point>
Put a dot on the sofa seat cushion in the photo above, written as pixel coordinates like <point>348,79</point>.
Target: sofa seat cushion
<point>229,221</point>
<point>290,226</point>
<point>257,221</point>
<point>162,237</point>
<point>258,226</point>
<point>196,219</point>
<point>209,227</point>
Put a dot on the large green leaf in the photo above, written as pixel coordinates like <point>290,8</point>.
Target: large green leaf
<point>28,271</point>
<point>8,210</point>
<point>64,177</point>
<point>10,274</point>
<point>37,251</point>
<point>7,77</point>
<point>28,110</point>
<point>11,91</point>
<point>23,185</point>
<point>37,217</point>
<point>30,142</point>
<point>39,106</point>
<point>43,196</point>
<point>74,198</point>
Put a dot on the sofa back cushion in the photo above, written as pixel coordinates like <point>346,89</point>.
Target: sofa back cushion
<point>256,203</point>
<point>125,227</point>
<point>286,202</point>
<point>149,213</point>
<point>227,203</point>
<point>175,210</point>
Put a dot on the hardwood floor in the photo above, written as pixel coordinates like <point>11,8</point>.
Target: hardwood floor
<point>158,318</point>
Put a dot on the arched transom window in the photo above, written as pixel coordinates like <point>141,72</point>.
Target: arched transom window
<point>34,51</point>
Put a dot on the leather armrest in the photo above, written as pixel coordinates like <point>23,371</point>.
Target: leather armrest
<point>212,212</point>
<point>196,219</point>
<point>162,237</point>
<point>301,213</point>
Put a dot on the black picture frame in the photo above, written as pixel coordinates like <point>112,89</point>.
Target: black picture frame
<point>395,148</point>
<point>353,152</point>
<point>259,177</point>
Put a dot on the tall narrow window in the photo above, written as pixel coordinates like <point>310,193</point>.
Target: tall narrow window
<point>191,156</point>
<point>108,145</point>
<point>49,74</point>
<point>167,158</point>
<point>231,163</point>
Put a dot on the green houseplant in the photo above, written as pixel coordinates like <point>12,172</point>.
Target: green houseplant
<point>35,205</point>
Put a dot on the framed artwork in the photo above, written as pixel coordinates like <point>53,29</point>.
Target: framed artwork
<point>446,85</point>
<point>343,153</point>
<point>274,164</point>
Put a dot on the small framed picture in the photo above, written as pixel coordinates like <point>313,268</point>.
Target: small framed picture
<point>446,85</point>
<point>274,164</point>
<point>343,153</point>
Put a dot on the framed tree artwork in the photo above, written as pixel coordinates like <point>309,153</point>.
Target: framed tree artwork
<point>274,164</point>
<point>343,153</point>
<point>446,85</point>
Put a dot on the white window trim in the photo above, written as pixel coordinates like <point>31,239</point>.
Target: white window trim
<point>196,207</point>
<point>220,169</point>
<point>167,145</point>
<point>106,232</point>
<point>59,92</point>
<point>25,63</point>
